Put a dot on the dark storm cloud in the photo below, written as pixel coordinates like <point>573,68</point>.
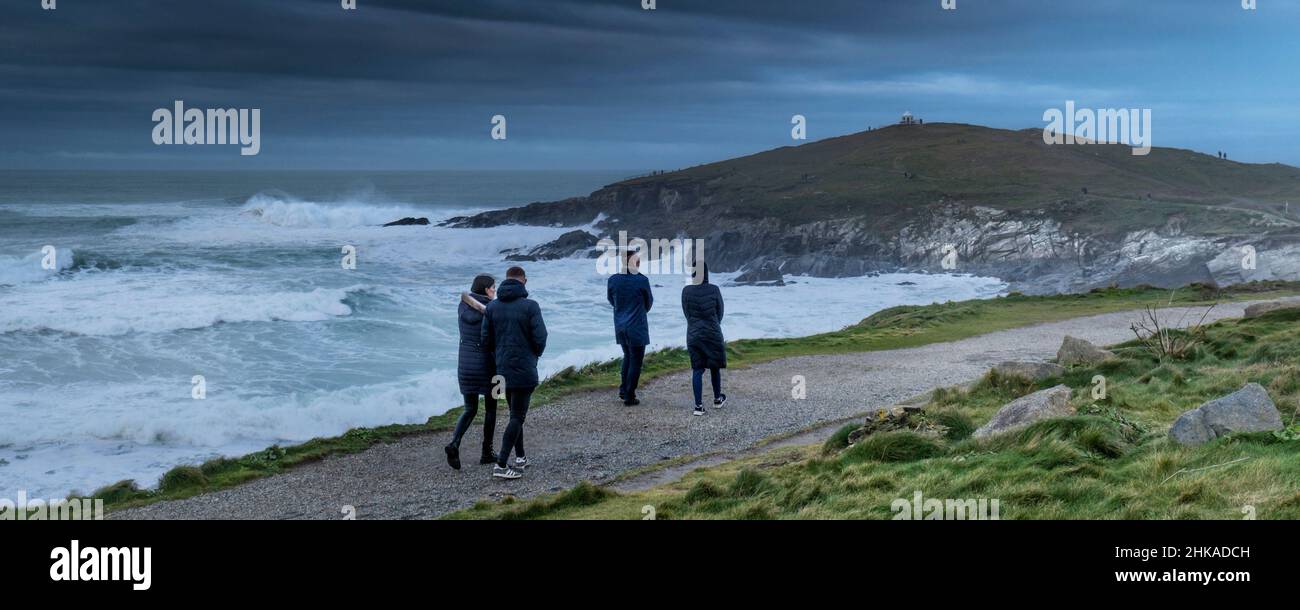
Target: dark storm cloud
<point>602,83</point>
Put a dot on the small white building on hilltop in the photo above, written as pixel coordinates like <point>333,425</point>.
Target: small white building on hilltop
<point>908,119</point>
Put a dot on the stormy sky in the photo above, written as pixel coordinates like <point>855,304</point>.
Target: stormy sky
<point>604,84</point>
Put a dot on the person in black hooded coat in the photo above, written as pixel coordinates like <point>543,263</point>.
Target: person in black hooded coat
<point>475,369</point>
<point>702,305</point>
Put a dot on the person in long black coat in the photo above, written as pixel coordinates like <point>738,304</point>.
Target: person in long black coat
<point>514,330</point>
<point>475,369</point>
<point>702,304</point>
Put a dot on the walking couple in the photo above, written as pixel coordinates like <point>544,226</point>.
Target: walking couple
<point>629,294</point>
<point>501,337</point>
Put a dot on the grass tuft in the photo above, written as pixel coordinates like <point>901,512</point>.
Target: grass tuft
<point>749,483</point>
<point>839,440</point>
<point>183,479</point>
<point>893,446</point>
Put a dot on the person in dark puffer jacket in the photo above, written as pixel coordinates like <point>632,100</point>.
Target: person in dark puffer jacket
<point>474,371</point>
<point>702,305</point>
<point>514,331</point>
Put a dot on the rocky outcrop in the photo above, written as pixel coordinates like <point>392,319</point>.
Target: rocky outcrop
<point>407,221</point>
<point>1247,410</point>
<point>766,274</point>
<point>1258,309</point>
<point>1032,250</point>
<point>1033,371</point>
<point>1041,405</point>
<point>1078,351</point>
<point>1274,259</point>
<point>573,243</point>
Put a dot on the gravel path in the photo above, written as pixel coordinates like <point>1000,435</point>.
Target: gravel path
<point>592,436</point>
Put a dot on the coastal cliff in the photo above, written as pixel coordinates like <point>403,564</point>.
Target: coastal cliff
<point>1062,218</point>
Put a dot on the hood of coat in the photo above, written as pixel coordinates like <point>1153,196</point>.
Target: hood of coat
<point>511,290</point>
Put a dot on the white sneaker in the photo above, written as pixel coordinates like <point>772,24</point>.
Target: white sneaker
<point>521,463</point>
<point>505,473</point>
<point>699,410</point>
<point>718,402</point>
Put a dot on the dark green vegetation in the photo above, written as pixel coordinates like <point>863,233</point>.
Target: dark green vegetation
<point>1112,460</point>
<point>888,329</point>
<point>895,173</point>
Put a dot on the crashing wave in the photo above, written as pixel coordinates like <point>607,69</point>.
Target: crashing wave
<point>285,211</point>
<point>16,270</point>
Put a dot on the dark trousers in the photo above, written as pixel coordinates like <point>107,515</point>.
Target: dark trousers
<point>517,399</point>
<point>633,357</point>
<point>489,423</point>
<point>697,383</point>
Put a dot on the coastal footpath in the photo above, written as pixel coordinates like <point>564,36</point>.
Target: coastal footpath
<point>588,435</point>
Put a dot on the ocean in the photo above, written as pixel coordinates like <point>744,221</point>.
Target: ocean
<point>159,277</point>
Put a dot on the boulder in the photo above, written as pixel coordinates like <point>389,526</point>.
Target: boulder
<point>1259,309</point>
<point>1246,410</point>
<point>1077,351</point>
<point>1043,404</point>
<point>1033,371</point>
<point>571,243</point>
<point>408,221</point>
<point>766,274</point>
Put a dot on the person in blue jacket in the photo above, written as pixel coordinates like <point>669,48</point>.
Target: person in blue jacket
<point>514,332</point>
<point>629,294</point>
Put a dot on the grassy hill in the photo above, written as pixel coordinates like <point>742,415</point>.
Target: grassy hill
<point>892,171</point>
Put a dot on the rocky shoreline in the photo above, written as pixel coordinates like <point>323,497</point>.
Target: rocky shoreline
<point>1029,250</point>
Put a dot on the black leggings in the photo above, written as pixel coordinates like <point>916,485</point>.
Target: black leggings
<point>489,423</point>
<point>518,400</point>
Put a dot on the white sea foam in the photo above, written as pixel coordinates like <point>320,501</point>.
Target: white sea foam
<point>23,269</point>
<point>284,211</point>
<point>114,303</point>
